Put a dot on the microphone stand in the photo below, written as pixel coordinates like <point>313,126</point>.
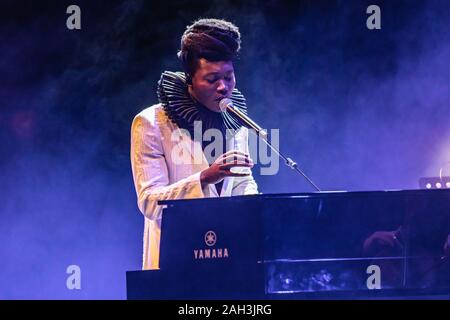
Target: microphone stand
<point>288,161</point>
<point>226,105</point>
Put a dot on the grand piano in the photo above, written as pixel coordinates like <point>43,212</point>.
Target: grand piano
<point>325,245</point>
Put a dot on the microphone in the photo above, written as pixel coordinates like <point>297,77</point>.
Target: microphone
<point>226,105</point>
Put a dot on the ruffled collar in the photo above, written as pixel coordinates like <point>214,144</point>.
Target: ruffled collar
<point>182,110</point>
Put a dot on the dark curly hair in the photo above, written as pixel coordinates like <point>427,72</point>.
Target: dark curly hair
<point>211,39</point>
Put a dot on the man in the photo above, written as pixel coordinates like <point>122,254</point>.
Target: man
<point>164,135</point>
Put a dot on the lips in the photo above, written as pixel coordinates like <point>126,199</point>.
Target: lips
<point>220,98</point>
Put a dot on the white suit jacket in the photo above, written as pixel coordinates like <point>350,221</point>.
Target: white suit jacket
<point>159,176</point>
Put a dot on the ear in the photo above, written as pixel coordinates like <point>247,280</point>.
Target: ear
<point>188,79</point>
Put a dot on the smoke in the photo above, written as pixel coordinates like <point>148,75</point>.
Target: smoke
<point>358,109</point>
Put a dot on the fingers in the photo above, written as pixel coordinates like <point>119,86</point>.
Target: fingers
<point>229,165</point>
<point>234,158</point>
<point>232,153</point>
<point>232,174</point>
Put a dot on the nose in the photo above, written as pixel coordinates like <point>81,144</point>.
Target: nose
<point>222,87</point>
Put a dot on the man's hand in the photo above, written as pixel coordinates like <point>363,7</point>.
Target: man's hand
<point>221,168</point>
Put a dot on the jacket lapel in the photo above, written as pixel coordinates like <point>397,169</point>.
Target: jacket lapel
<point>194,148</point>
<point>227,186</point>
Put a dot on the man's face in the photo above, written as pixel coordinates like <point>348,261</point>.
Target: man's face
<point>212,82</point>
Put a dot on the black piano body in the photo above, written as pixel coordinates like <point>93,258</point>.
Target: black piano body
<point>302,246</point>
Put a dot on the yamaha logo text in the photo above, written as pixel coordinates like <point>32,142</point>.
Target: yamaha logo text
<point>210,252</point>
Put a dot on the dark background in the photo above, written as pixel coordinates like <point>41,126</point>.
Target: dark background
<point>359,109</point>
